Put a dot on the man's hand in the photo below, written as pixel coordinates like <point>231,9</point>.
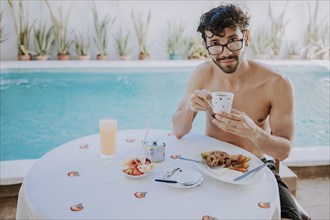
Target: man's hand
<point>197,100</point>
<point>237,123</point>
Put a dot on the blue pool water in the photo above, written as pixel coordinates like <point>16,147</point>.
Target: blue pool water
<point>41,110</point>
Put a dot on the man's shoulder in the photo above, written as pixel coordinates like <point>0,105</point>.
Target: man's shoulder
<point>202,74</point>
<point>270,74</point>
<point>206,65</point>
<point>265,69</point>
<point>262,67</point>
<point>205,68</point>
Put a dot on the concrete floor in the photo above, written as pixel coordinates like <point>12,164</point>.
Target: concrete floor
<point>312,194</point>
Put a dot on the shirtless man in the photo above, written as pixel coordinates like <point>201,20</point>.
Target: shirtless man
<point>262,117</point>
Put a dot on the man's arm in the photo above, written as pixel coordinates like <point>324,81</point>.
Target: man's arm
<point>193,101</point>
<point>183,118</point>
<point>281,118</point>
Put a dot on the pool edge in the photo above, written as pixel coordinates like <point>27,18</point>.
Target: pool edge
<point>50,64</point>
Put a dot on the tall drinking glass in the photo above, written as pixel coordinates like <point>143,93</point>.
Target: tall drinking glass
<point>108,133</point>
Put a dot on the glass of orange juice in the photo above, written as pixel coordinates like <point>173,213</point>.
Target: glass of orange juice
<point>108,134</point>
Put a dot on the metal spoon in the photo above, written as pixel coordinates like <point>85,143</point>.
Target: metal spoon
<point>174,181</point>
<point>188,159</point>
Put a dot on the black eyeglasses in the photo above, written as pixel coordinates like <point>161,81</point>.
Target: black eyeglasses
<point>231,46</point>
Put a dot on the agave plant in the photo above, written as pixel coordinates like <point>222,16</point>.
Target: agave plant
<point>63,41</point>
<point>141,29</point>
<point>294,48</point>
<point>81,44</point>
<point>196,49</point>
<point>277,29</point>
<point>44,39</point>
<point>260,42</point>
<point>121,39</point>
<point>3,36</point>
<point>324,44</point>
<point>317,34</point>
<point>22,28</point>
<point>102,31</point>
<point>176,43</point>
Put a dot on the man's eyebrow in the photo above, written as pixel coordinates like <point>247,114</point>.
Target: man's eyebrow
<point>233,35</point>
<point>217,38</point>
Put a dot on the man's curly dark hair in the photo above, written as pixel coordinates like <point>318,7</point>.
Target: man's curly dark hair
<point>224,16</point>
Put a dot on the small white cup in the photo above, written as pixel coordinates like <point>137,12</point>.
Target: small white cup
<point>108,134</point>
<point>221,102</point>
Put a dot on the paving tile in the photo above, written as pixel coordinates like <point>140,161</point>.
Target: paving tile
<point>318,212</point>
<point>309,184</point>
<point>9,190</point>
<point>313,198</point>
<point>8,208</point>
<point>313,195</point>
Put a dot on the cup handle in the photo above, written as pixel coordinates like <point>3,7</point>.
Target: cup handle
<point>209,103</point>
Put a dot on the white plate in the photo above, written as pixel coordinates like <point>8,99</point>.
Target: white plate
<point>136,177</point>
<point>149,170</point>
<point>182,174</point>
<point>228,175</point>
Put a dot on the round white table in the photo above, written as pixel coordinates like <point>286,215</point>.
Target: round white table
<point>72,181</point>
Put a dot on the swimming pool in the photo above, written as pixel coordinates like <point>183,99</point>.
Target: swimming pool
<point>43,108</point>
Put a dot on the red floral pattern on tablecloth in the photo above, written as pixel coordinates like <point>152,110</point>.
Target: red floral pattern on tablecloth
<point>73,173</point>
<point>140,195</point>
<point>77,207</point>
<point>208,217</point>
<point>83,146</point>
<point>264,205</point>
<point>174,156</point>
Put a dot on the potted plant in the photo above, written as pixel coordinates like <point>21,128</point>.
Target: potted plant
<point>63,42</point>
<point>294,50</point>
<point>317,38</point>
<point>102,30</point>
<point>141,29</point>
<point>324,43</point>
<point>175,42</point>
<point>196,50</point>
<point>260,42</point>
<point>3,36</point>
<point>44,41</point>
<point>277,31</point>
<point>123,49</point>
<point>23,30</point>
<point>81,46</point>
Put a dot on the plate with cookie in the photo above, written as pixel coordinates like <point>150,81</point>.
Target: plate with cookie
<point>226,165</point>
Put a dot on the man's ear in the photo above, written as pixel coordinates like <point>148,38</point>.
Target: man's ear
<point>247,37</point>
<point>204,44</point>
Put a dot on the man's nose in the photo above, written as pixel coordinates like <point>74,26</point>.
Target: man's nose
<point>226,51</point>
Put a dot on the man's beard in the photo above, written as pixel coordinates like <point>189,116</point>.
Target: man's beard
<point>227,69</point>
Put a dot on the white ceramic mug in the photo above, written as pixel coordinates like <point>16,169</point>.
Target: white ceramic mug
<point>221,102</point>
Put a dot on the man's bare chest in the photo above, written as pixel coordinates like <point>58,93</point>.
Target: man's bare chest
<point>254,101</point>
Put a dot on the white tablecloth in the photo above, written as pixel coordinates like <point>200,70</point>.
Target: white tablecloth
<point>103,191</point>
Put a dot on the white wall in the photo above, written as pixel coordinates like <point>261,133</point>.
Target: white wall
<point>187,12</point>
